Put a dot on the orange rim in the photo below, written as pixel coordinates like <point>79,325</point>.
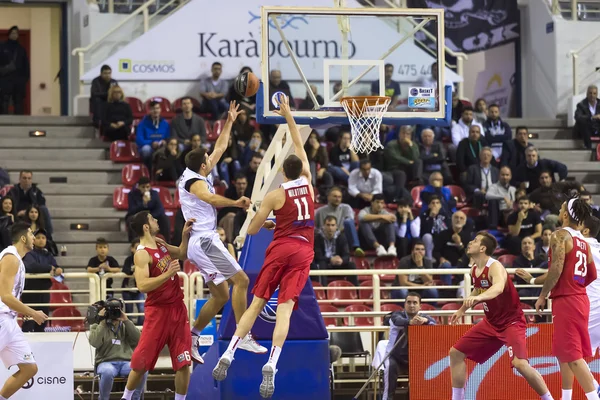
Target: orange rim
<point>360,101</point>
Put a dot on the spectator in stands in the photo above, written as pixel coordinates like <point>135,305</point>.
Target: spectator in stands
<point>39,261</point>
<point>102,263</point>
<point>434,220</point>
<point>251,168</point>
<point>257,144</point>
<point>230,164</point>
<point>527,259</point>
<point>242,129</point>
<point>528,174</point>
<point>363,184</point>
<point>342,160</point>
<point>513,151</point>
<point>26,193</point>
<point>276,84</point>
<point>7,208</point>
<point>114,342</point>
<point>213,90</point>
<point>248,104</point>
<point>522,223</point>
<point>152,133</point>
<point>543,246</point>
<point>307,103</point>
<point>408,228</point>
<point>449,245</point>
<point>230,248</point>
<point>496,131</point>
<point>4,178</point>
<point>344,215</point>
<point>480,178</point>
<point>99,93</point>
<point>480,113</point>
<point>132,293</point>
<point>165,162</point>
<point>187,124</point>
<point>587,197</point>
<point>117,117</point>
<point>143,198</point>
<point>35,219</point>
<point>457,107</point>
<point>462,129</point>
<point>422,283</point>
<point>318,160</point>
<point>587,117</point>
<point>332,250</point>
<point>433,156</point>
<point>195,142</point>
<point>501,196</point>
<point>232,218</point>
<point>403,154</point>
<point>376,226</point>
<point>431,81</point>
<point>14,73</point>
<point>436,187</point>
<point>392,88</point>
<point>548,197</point>
<point>399,322</point>
<point>468,150</point>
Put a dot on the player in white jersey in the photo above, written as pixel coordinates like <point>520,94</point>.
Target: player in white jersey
<point>218,268</point>
<point>14,349</point>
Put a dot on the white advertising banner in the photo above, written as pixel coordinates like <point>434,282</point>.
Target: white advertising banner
<point>54,379</point>
<point>184,45</point>
<point>495,84</point>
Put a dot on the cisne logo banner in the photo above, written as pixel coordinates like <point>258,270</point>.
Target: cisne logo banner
<point>493,380</point>
<point>189,41</point>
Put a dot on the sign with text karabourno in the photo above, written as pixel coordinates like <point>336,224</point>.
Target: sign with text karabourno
<point>184,45</point>
<point>429,366</point>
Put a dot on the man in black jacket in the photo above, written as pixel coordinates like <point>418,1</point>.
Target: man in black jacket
<point>468,150</point>
<point>332,250</point>
<point>587,117</point>
<point>527,176</point>
<point>39,261</point>
<point>513,151</point>
<point>549,197</point>
<point>433,156</point>
<point>99,93</point>
<point>26,193</point>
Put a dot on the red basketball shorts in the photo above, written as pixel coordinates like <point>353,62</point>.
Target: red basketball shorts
<point>571,339</point>
<point>483,341</point>
<point>287,264</point>
<point>164,325</point>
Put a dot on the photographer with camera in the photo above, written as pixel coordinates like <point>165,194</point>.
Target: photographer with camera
<point>114,337</point>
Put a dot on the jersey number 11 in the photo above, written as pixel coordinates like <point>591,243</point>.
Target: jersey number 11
<point>303,213</point>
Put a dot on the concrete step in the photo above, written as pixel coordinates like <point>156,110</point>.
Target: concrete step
<point>65,237</point>
<point>85,213</point>
<point>104,224</point>
<point>593,187</point>
<point>54,154</point>
<point>585,177</point>
<point>53,165</point>
<point>552,133</point>
<point>82,261</point>
<point>54,143</point>
<point>536,122</point>
<point>66,189</point>
<point>34,121</point>
<point>557,144</point>
<point>22,132</point>
<point>78,201</point>
<point>566,156</point>
<point>88,250</point>
<point>42,178</point>
<point>583,166</point>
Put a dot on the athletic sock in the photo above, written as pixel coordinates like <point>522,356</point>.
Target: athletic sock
<point>567,394</point>
<point>274,357</point>
<point>458,393</point>
<point>547,396</point>
<point>233,345</point>
<point>592,395</point>
<point>196,331</point>
<point>180,396</point>
<point>128,393</point>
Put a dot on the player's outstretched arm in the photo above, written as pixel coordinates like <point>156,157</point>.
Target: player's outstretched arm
<point>558,244</point>
<point>266,206</point>
<point>223,139</point>
<point>8,270</point>
<point>200,190</point>
<point>180,253</point>
<point>144,282</point>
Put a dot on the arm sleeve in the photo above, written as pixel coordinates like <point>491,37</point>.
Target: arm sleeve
<point>141,136</point>
<point>398,319</point>
<point>378,185</point>
<point>343,249</point>
<point>353,184</point>
<point>460,158</point>
<point>96,335</point>
<point>493,193</point>
<point>560,168</point>
<point>456,135</point>
<point>415,227</point>
<point>32,266</point>
<point>131,333</point>
<point>362,213</point>
<point>319,251</point>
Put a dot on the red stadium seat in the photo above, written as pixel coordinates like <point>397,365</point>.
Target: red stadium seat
<point>137,107</point>
<point>427,307</point>
<point>415,193</point>
<point>358,321</point>
<point>471,212</point>
<point>329,321</point>
<point>189,267</point>
<point>507,260</point>
<point>210,136</point>
<point>479,307</point>
<point>123,151</point>
<point>220,188</point>
<point>216,130</point>
<point>390,307</point>
<point>500,252</point>
<point>319,293</point>
<point>76,325</point>
<point>386,263</point>
<point>338,293</point>
<point>165,105</point>
<point>366,294</point>
<point>59,297</point>
<point>362,263</point>
<point>177,104</point>
<point>132,173</point>
<point>165,197</point>
<point>459,194</point>
<point>450,307</point>
<point>121,198</point>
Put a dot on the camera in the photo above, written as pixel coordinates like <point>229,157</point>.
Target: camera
<point>113,310</point>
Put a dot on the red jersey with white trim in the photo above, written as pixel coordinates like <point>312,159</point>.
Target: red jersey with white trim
<point>576,273</point>
<point>297,216</point>
<point>169,292</point>
<point>503,310</point>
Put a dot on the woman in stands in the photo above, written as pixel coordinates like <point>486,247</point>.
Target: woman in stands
<point>7,208</point>
<point>480,113</point>
<point>117,120</point>
<point>34,218</point>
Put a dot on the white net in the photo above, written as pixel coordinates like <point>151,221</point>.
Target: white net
<point>365,115</point>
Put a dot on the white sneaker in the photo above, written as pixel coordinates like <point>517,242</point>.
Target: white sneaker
<point>249,344</point>
<point>392,251</point>
<point>381,251</point>
<point>220,371</point>
<point>267,386</point>
<point>195,353</point>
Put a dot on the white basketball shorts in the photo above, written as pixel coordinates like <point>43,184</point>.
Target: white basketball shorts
<point>14,349</point>
<point>212,258</point>
<point>594,326</point>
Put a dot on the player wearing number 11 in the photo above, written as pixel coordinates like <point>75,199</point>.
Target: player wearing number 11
<point>288,257</point>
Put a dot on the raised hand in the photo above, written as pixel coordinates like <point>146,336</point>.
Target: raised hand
<point>173,268</point>
<point>284,106</point>
<point>234,111</point>
<point>187,228</point>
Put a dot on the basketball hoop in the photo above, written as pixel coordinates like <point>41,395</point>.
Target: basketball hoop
<point>365,114</point>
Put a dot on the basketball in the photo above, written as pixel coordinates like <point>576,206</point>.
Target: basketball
<point>246,84</point>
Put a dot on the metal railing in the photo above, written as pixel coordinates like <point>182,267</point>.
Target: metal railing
<point>577,9</point>
<point>585,62</point>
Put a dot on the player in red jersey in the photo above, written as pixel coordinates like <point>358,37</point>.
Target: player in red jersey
<point>288,257</point>
<point>504,322</point>
<point>571,269</point>
<point>166,317</point>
